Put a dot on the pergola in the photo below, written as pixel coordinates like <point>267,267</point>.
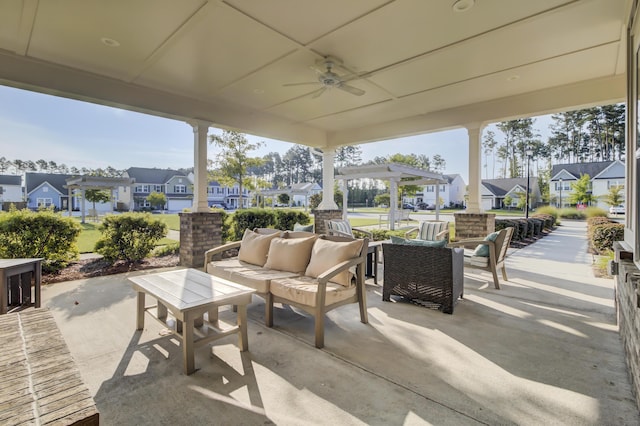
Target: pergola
<point>397,175</point>
<point>82,183</point>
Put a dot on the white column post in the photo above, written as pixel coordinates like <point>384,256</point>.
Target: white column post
<point>474,204</point>
<point>83,204</point>
<point>438,200</point>
<point>393,202</point>
<point>200,130</point>
<point>328,202</point>
<point>70,202</point>
<point>345,199</point>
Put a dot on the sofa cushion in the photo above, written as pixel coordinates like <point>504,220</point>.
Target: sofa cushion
<point>327,254</point>
<point>418,242</point>
<point>471,259</point>
<point>254,247</point>
<point>290,254</point>
<point>483,250</point>
<point>303,290</point>
<point>299,227</point>
<point>259,278</point>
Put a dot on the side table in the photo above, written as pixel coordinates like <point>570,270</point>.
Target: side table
<point>16,279</point>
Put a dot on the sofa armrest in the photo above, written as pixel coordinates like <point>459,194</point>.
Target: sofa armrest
<point>208,255</point>
<point>411,231</point>
<point>362,231</point>
<point>340,267</point>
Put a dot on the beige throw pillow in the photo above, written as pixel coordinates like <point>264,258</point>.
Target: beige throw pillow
<point>254,247</point>
<point>327,254</point>
<point>290,254</point>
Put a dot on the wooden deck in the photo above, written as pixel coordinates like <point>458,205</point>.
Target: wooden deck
<point>40,382</point>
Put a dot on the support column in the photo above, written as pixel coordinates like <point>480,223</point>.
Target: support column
<point>328,202</point>
<point>438,201</point>
<point>83,204</point>
<point>393,202</point>
<point>474,204</point>
<point>70,201</point>
<point>200,130</point>
<point>345,199</point>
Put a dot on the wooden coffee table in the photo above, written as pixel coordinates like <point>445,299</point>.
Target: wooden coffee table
<point>188,294</point>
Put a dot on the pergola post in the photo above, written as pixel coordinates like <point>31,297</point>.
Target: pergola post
<point>393,202</point>
<point>83,204</point>
<point>437,200</point>
<point>345,199</point>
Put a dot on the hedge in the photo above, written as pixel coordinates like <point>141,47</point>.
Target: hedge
<point>605,234</point>
<point>130,237</point>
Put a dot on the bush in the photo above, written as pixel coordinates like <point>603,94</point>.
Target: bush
<point>595,212</point>
<point>167,250</point>
<point>129,237</point>
<point>547,211</point>
<point>385,234</point>
<point>285,219</point>
<point>549,220</point>
<point>568,213</point>
<point>605,234</point>
<point>226,224</point>
<point>250,219</point>
<point>24,233</point>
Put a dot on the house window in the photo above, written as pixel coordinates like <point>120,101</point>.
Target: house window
<point>430,188</point>
<point>615,183</point>
<point>158,188</point>
<point>180,189</point>
<point>44,202</point>
<point>142,188</point>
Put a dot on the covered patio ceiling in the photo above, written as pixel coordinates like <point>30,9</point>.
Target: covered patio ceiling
<point>423,66</point>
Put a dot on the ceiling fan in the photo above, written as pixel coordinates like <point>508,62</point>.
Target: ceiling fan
<point>329,79</point>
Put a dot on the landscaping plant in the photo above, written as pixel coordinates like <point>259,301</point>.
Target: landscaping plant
<point>129,237</point>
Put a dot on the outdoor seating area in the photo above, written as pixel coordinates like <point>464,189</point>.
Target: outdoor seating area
<point>557,344</point>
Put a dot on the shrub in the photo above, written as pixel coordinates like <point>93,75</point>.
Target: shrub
<point>250,219</point>
<point>285,219</point>
<point>549,220</point>
<point>24,233</point>
<point>605,234</point>
<point>226,224</point>
<point>167,250</point>
<point>595,212</point>
<point>568,213</point>
<point>385,234</point>
<point>129,237</point>
<point>548,211</point>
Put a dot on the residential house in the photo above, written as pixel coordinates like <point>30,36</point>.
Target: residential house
<point>47,190</point>
<point>494,192</point>
<point>451,193</point>
<point>175,185</point>
<point>10,190</point>
<point>299,193</point>
<point>603,175</point>
<point>225,196</point>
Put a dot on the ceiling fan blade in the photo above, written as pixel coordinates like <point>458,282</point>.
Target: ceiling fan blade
<point>300,84</point>
<point>319,92</point>
<point>351,89</point>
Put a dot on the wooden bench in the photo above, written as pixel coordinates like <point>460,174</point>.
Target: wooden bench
<point>41,384</point>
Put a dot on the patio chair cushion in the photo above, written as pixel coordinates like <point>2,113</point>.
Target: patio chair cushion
<point>254,247</point>
<point>299,227</point>
<point>417,242</point>
<point>430,230</point>
<point>483,250</point>
<point>304,290</point>
<point>342,226</point>
<point>471,259</point>
<point>327,254</point>
<point>290,254</point>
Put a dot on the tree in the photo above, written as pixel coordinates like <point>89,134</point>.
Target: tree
<point>350,155</point>
<point>284,199</point>
<point>507,202</point>
<point>614,197</point>
<point>489,144</point>
<point>157,199</point>
<point>233,160</point>
<point>581,191</point>
<point>382,199</point>
<point>96,196</point>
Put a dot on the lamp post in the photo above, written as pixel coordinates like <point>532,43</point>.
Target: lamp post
<point>529,153</point>
<point>561,183</point>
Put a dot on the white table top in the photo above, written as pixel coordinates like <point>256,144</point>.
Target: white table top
<point>184,289</point>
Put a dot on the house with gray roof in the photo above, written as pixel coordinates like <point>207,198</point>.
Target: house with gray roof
<point>494,192</point>
<point>175,185</point>
<point>603,175</point>
<point>10,190</point>
<point>47,190</point>
<point>451,193</point>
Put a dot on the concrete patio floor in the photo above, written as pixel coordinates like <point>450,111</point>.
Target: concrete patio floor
<point>542,350</point>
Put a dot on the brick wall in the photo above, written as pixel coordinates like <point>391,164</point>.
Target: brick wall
<point>628,304</point>
<point>474,225</point>
<point>321,215</point>
<point>198,233</point>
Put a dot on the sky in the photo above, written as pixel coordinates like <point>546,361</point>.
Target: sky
<point>35,126</point>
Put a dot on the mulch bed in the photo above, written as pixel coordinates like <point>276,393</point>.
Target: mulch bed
<point>90,268</point>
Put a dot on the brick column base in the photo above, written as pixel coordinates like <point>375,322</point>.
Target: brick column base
<point>474,225</point>
<point>198,233</point>
<point>321,215</point>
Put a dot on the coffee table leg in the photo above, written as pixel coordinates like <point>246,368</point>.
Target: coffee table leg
<point>187,345</point>
<point>140,312</point>
<point>243,342</point>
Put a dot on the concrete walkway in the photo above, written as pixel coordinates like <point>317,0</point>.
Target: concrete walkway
<point>543,350</point>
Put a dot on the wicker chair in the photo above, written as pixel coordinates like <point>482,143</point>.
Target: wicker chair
<point>497,254</point>
<point>423,274</point>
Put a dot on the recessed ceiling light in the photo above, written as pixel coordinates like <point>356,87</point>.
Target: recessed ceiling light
<point>110,42</point>
<point>463,5</point>
<point>513,77</point>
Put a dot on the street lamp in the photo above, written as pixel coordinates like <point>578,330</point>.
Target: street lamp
<point>529,153</point>
<point>561,192</point>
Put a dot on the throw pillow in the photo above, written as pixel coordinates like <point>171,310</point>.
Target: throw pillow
<point>418,242</point>
<point>290,254</point>
<point>483,250</point>
<point>306,228</point>
<point>327,254</point>
<point>254,247</point>
<point>398,240</point>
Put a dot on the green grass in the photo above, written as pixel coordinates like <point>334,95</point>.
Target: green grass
<point>172,220</point>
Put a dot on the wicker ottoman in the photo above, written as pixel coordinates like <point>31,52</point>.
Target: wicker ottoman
<point>423,274</point>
